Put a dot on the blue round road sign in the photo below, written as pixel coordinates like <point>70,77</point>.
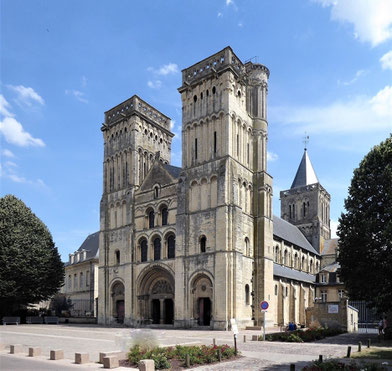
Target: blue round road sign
<point>264,305</point>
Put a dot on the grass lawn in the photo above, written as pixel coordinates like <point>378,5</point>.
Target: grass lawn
<point>373,353</point>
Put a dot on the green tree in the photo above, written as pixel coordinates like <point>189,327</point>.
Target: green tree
<point>365,230</point>
<point>30,266</point>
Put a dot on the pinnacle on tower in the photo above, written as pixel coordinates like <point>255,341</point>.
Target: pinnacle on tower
<point>305,174</point>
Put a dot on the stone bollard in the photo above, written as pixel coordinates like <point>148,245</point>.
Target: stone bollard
<point>81,358</point>
<point>244,338</point>
<point>102,355</point>
<point>187,360</point>
<point>321,358</point>
<point>360,346</point>
<point>214,341</point>
<point>110,362</point>
<point>147,365</point>
<point>254,337</point>
<point>348,352</point>
<point>34,352</point>
<point>56,354</point>
<point>219,353</point>
<point>16,348</point>
<point>368,343</point>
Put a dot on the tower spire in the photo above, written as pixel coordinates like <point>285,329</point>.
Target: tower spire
<point>305,174</point>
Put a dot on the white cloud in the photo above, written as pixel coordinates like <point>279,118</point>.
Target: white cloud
<point>166,69</point>
<point>172,123</point>
<point>79,95</point>
<point>240,24</point>
<point>156,84</point>
<point>372,19</point>
<point>358,74</point>
<point>228,2</point>
<point>4,106</point>
<point>271,156</point>
<point>14,133</point>
<point>220,15</point>
<point>334,226</point>
<point>386,61</point>
<point>8,171</point>
<point>360,114</point>
<point>8,153</point>
<point>26,95</point>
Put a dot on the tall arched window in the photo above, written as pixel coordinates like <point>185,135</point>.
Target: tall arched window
<point>117,253</point>
<point>277,254</point>
<point>285,258</point>
<point>171,247</point>
<point>143,250</point>
<point>247,246</point>
<point>303,263</point>
<point>276,289</point>
<point>247,295</point>
<point>157,249</point>
<point>165,214</point>
<point>296,261</point>
<point>151,216</point>
<point>203,242</point>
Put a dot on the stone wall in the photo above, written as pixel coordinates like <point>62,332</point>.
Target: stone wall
<point>334,314</point>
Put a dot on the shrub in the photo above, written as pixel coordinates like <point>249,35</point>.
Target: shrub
<point>294,338</point>
<point>336,365</point>
<point>160,360</point>
<point>311,334</point>
<point>315,325</point>
<point>197,354</point>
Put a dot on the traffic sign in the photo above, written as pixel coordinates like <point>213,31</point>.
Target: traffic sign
<point>264,305</point>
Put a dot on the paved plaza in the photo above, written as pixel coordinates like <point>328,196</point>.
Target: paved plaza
<point>96,339</point>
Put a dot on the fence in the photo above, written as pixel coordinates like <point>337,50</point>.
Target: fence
<point>82,308</point>
<point>367,317</point>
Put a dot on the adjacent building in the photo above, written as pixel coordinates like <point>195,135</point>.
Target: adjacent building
<point>81,278</point>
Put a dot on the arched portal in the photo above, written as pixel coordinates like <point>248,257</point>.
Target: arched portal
<point>156,296</point>
<point>118,305</point>
<point>202,304</point>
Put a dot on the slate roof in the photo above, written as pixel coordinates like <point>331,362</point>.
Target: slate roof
<point>173,170</point>
<point>332,268</point>
<point>330,246</point>
<point>91,245</point>
<point>290,233</point>
<point>305,174</point>
<point>286,272</point>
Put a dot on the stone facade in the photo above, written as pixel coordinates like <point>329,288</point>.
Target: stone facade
<point>194,246</point>
<point>81,278</point>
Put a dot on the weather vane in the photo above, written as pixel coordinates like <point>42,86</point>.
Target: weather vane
<point>306,140</point>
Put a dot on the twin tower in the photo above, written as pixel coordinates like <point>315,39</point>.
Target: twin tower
<point>191,246</point>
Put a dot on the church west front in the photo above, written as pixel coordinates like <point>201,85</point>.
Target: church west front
<point>198,245</point>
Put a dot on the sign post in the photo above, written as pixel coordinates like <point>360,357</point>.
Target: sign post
<point>264,306</point>
<point>234,328</point>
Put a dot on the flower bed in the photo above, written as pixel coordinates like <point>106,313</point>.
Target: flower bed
<point>336,365</point>
<point>164,356</point>
<point>299,336</point>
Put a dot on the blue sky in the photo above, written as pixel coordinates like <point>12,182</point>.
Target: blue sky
<point>63,63</point>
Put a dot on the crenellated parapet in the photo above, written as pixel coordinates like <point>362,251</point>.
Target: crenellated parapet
<point>213,65</point>
<point>135,105</point>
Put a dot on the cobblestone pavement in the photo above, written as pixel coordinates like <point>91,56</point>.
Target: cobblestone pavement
<point>255,355</point>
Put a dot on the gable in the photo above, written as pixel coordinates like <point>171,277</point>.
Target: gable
<point>157,174</point>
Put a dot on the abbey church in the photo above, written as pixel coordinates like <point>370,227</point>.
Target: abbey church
<point>196,246</point>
